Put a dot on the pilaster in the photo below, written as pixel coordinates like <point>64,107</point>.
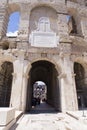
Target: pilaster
<point>27,65</point>
<point>62,91</point>
<point>24,22</point>
<point>69,84</point>
<point>19,82</point>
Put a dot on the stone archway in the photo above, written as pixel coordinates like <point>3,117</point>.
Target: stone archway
<point>81,84</point>
<point>46,72</point>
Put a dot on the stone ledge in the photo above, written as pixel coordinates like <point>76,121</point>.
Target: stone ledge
<point>18,114</point>
<point>8,125</point>
<point>6,115</point>
<point>7,118</point>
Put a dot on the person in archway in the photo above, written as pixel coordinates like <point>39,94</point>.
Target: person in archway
<point>34,102</point>
<point>38,100</point>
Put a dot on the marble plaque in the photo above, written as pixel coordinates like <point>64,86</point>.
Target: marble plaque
<point>43,39</point>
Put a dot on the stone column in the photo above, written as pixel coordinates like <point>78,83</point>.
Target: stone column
<point>17,84</point>
<point>23,33</point>
<point>24,85</point>
<point>62,92</point>
<point>18,81</point>
<point>69,84</point>
<point>24,22</point>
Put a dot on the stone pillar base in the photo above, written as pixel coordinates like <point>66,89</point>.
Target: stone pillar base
<point>7,118</point>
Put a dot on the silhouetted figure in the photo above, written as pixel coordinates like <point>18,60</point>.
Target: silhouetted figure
<point>34,102</point>
<point>38,101</point>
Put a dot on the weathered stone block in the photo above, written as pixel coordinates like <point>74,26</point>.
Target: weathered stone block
<point>6,116</point>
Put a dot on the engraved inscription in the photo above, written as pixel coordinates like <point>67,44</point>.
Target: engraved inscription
<point>44,39</point>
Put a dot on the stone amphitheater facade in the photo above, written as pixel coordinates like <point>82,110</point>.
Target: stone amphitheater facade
<point>51,46</point>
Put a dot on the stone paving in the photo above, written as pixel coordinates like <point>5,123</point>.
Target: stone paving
<point>52,120</point>
<point>80,115</point>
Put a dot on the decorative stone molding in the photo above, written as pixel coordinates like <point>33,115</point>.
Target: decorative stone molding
<point>61,55</point>
<point>21,54</point>
<point>43,55</point>
<point>26,76</point>
<point>14,74</point>
<point>62,75</point>
<point>85,54</point>
<point>22,32</point>
<point>73,75</point>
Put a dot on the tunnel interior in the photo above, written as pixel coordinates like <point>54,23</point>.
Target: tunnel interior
<point>6,70</point>
<point>81,85</point>
<point>46,72</point>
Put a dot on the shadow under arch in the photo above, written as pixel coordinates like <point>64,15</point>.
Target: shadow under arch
<point>74,22</point>
<point>57,65</point>
<point>46,72</point>
<point>6,70</point>
<point>80,69</point>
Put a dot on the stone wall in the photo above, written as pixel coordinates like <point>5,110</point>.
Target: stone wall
<point>70,48</point>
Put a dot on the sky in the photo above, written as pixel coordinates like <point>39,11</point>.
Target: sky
<point>13,24</point>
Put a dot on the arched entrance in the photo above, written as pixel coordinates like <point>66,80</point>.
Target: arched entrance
<point>6,70</point>
<point>81,85</point>
<point>46,72</point>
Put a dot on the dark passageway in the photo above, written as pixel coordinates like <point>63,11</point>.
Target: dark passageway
<point>44,71</point>
<point>81,85</point>
<point>6,71</point>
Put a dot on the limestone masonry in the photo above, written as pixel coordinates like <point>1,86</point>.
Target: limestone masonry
<point>51,46</point>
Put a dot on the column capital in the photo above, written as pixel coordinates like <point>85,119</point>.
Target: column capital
<point>73,75</point>
<point>62,75</point>
<point>14,76</point>
<point>26,76</point>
